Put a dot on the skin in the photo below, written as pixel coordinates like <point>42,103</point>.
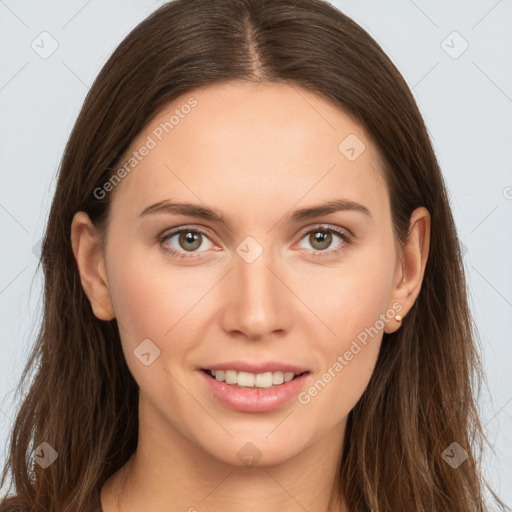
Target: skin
<point>256,153</point>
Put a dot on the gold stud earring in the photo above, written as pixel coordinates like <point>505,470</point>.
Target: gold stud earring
<point>398,318</point>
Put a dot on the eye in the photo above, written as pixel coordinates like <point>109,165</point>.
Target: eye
<point>321,238</point>
<point>185,240</point>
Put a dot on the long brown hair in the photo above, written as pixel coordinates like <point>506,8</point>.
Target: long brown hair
<point>82,399</point>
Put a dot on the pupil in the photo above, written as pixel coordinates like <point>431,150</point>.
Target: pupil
<point>190,238</point>
<point>323,238</point>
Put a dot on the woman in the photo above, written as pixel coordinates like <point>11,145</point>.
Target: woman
<point>254,295</point>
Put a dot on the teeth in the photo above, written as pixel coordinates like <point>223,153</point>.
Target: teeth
<point>251,380</point>
<point>288,376</point>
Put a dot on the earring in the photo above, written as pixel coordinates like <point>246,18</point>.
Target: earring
<point>398,318</point>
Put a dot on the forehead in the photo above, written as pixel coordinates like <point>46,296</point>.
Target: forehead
<point>249,141</point>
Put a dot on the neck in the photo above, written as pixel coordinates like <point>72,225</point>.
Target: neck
<point>168,472</point>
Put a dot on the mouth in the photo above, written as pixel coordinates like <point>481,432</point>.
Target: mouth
<point>267,388</point>
<point>242,379</point>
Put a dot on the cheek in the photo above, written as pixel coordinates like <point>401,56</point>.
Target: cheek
<point>348,360</point>
<point>154,300</point>
<point>353,303</point>
<point>151,297</point>
<point>151,302</point>
<point>349,296</point>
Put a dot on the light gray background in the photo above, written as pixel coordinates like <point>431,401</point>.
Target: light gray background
<point>466,102</point>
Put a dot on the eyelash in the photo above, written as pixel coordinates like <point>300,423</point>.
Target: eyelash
<point>346,239</point>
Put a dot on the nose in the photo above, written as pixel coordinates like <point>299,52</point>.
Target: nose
<point>257,303</point>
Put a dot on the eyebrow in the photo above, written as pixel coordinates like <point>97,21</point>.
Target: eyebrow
<point>204,212</point>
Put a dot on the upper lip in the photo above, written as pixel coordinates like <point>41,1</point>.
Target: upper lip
<point>253,367</point>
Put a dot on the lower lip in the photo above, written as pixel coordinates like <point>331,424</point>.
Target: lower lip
<point>254,399</point>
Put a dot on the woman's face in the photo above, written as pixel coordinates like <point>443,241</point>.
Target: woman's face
<point>272,287</point>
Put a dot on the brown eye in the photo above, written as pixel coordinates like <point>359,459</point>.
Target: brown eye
<point>190,240</point>
<point>186,240</point>
<point>320,240</point>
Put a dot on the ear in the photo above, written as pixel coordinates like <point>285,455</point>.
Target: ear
<point>87,249</point>
<point>410,267</point>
